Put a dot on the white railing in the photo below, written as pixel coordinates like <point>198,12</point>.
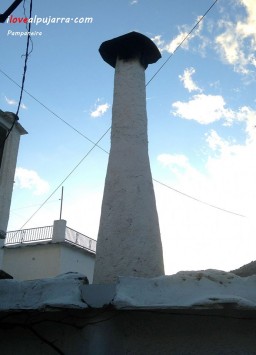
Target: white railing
<point>29,235</point>
<point>33,235</point>
<point>79,239</point>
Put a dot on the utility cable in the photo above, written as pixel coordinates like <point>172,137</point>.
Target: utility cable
<point>197,199</point>
<point>62,182</point>
<point>26,55</point>
<point>51,111</point>
<point>68,124</point>
<point>96,144</point>
<point>24,72</point>
<point>157,181</point>
<point>38,204</point>
<point>184,39</point>
<point>14,5</point>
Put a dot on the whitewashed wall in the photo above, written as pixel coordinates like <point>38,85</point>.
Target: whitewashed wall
<point>78,260</point>
<point>46,260</point>
<point>8,166</point>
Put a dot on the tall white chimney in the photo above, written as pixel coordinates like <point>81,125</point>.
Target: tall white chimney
<point>129,242</point>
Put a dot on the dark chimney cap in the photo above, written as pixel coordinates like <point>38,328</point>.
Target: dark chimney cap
<point>130,46</point>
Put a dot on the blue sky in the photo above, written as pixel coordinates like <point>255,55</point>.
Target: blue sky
<point>201,120</point>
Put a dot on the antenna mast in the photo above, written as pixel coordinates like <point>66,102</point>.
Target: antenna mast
<point>61,202</point>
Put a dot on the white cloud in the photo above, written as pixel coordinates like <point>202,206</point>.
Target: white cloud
<point>99,110</point>
<point>203,108</point>
<point>236,41</point>
<point>178,164</point>
<point>172,45</point>
<point>197,236</point>
<point>184,31</point>
<point>206,109</point>
<point>134,2</point>
<point>233,172</point>
<point>23,106</point>
<point>248,115</point>
<point>175,159</point>
<point>29,179</point>
<point>13,102</point>
<point>10,101</point>
<point>228,168</point>
<point>237,44</point>
<point>187,80</point>
<point>159,42</point>
<point>215,142</point>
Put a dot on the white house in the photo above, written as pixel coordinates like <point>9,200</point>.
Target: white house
<point>47,252</point>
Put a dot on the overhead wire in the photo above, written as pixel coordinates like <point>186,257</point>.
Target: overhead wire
<point>184,39</point>
<point>28,52</point>
<point>51,111</point>
<point>11,8</point>
<point>62,182</point>
<point>197,199</point>
<point>95,144</point>
<point>29,206</point>
<point>26,55</point>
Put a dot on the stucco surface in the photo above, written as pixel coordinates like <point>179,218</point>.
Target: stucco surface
<point>63,291</point>
<point>8,165</point>
<point>129,242</point>
<point>40,260</point>
<point>192,312</point>
<point>207,289</point>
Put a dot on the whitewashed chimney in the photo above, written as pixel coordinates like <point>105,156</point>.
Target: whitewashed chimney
<point>129,242</point>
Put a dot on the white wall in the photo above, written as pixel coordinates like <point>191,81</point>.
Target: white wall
<point>8,165</point>
<point>28,262</point>
<point>32,262</point>
<point>76,259</point>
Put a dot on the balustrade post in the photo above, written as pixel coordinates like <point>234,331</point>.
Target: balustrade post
<point>59,231</point>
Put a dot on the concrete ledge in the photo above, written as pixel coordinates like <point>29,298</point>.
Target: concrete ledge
<point>99,296</point>
<point>209,290</point>
<point>63,291</point>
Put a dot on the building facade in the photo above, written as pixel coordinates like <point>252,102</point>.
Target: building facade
<point>48,252</point>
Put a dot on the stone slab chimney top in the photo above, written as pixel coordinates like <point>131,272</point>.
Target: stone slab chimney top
<point>130,46</point>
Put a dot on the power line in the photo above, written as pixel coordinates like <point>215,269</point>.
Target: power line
<point>159,182</point>
<point>68,124</point>
<point>24,207</point>
<point>96,144</point>
<point>26,55</point>
<point>10,9</point>
<point>184,39</point>
<point>62,182</point>
<point>197,199</point>
<point>24,72</point>
<point>51,111</point>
